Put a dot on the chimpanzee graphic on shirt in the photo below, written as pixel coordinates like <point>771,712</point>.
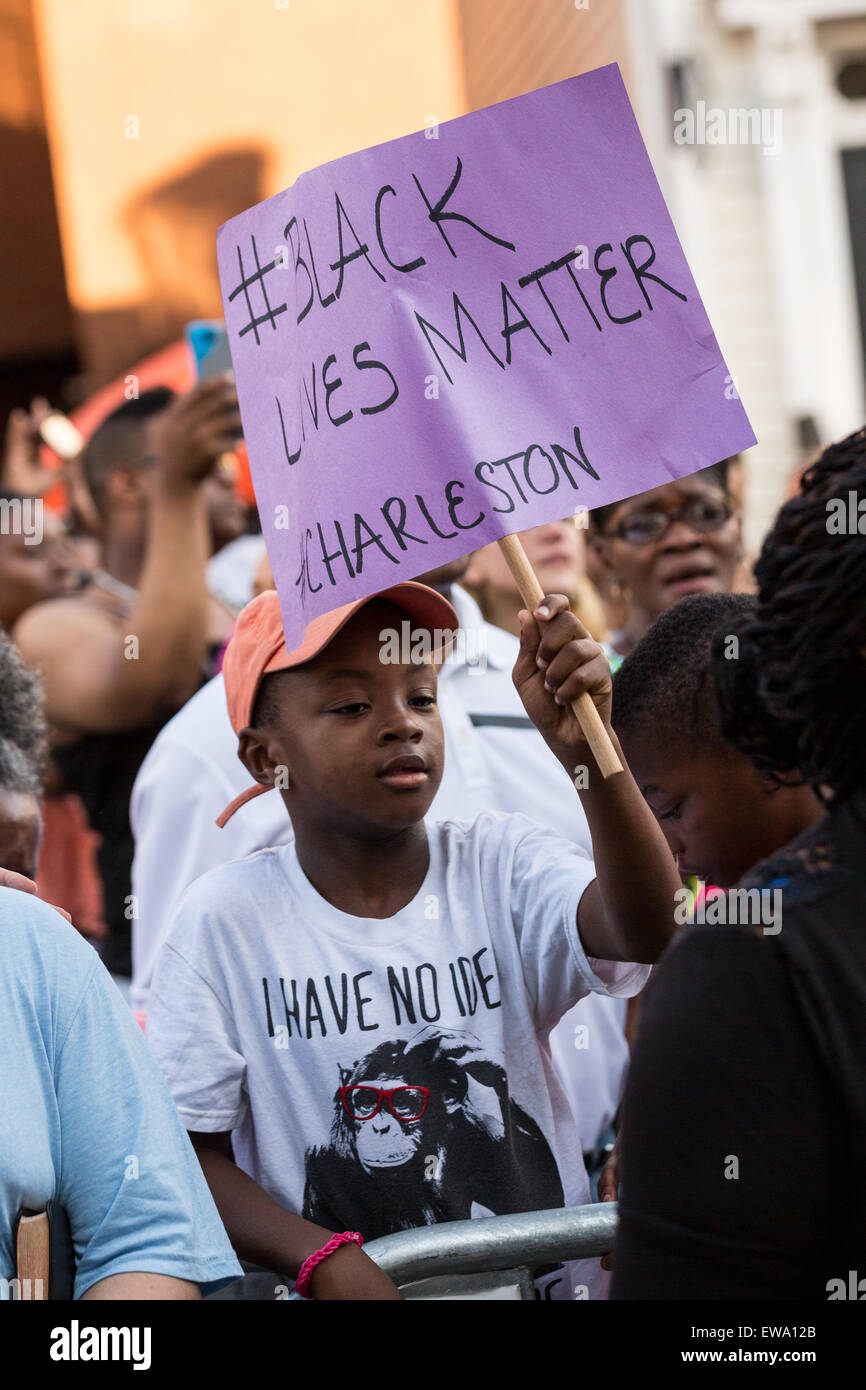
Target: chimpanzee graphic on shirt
<point>424,1130</point>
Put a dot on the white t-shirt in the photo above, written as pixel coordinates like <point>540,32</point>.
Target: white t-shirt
<point>267,1000</point>
<point>495,760</point>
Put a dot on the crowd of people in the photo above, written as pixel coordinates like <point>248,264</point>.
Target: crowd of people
<point>225,863</point>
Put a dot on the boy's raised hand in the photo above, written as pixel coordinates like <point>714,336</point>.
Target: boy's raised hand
<point>557,662</point>
<point>627,913</point>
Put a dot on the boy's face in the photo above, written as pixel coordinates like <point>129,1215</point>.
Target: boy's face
<point>712,807</point>
<point>360,737</point>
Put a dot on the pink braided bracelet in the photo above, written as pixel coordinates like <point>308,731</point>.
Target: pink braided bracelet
<point>305,1273</point>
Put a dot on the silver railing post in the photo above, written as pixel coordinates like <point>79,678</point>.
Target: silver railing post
<point>496,1242</point>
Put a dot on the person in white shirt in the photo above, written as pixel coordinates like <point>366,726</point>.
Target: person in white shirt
<point>354,1025</point>
<point>494,761</point>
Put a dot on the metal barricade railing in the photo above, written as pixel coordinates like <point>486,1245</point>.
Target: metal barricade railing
<point>528,1240</point>
<point>516,1244</point>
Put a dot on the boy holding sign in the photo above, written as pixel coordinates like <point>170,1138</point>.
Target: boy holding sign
<point>360,1017</point>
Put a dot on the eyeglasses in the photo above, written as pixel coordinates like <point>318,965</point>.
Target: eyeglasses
<point>648,528</point>
<point>404,1102</point>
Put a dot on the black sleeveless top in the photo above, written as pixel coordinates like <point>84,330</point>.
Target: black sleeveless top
<point>744,1139</point>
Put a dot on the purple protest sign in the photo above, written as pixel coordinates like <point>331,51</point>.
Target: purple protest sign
<point>464,333</point>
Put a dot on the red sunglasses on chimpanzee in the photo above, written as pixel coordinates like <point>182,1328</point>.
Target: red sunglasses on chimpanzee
<point>404,1102</point>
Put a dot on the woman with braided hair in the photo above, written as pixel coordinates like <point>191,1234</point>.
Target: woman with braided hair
<point>791,710</point>
<point>751,1055</point>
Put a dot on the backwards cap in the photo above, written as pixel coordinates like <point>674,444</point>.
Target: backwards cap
<point>258,647</point>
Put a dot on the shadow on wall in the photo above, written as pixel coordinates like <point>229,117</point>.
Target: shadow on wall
<point>173,226</point>
<point>37,351</point>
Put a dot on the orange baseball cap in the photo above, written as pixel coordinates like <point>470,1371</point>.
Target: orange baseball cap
<point>258,647</point>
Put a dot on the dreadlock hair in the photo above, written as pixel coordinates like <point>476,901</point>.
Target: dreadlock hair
<point>664,687</point>
<point>795,699</point>
<point>23,743</point>
<point>716,473</point>
<point>113,443</point>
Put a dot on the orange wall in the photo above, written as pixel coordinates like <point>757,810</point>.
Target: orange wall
<point>34,314</point>
<point>233,99</point>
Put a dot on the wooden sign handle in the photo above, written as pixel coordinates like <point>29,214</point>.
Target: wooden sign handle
<point>585,711</point>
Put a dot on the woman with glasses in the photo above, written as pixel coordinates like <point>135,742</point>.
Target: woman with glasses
<point>653,549</point>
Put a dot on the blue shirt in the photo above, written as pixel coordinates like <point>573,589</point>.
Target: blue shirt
<point>86,1119</point>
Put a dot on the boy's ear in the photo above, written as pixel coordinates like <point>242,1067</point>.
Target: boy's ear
<point>254,752</point>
